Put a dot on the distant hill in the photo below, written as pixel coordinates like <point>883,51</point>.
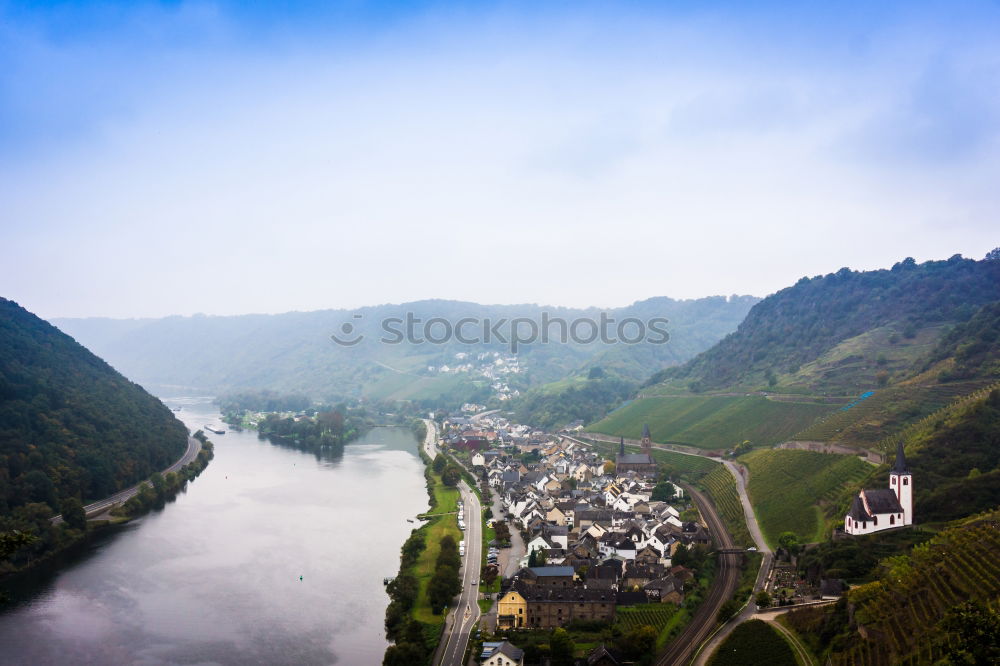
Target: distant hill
<point>70,425</point>
<point>293,352</point>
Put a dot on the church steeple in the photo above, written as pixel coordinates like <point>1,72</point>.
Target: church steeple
<point>647,439</point>
<point>900,466</point>
<point>621,447</point>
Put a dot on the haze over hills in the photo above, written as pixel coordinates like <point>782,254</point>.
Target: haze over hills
<point>294,351</point>
<point>71,427</point>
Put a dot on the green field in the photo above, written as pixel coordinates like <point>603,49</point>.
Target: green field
<point>721,485</point>
<point>754,643</point>
<point>713,422</point>
<point>787,488</point>
<point>445,501</point>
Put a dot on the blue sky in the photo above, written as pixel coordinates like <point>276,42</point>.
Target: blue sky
<point>226,157</point>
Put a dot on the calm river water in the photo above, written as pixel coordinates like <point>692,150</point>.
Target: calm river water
<point>214,578</point>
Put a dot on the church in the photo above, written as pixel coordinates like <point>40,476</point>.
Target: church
<point>640,463</point>
<point>884,508</point>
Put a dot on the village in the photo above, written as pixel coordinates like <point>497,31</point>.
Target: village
<point>578,538</point>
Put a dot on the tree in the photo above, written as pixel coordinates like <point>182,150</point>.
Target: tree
<point>638,641</point>
<point>763,599</point>
<point>609,468</point>
<point>403,654</point>
<point>561,647</point>
<point>440,462</point>
<point>789,541</point>
<point>663,492</point>
<point>73,514</point>
<point>11,542</point>
<point>728,610</point>
<point>451,476</point>
<point>680,556</point>
<point>975,634</point>
<point>743,447</point>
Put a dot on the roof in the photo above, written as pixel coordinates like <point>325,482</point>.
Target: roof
<point>645,431</point>
<point>546,593</point>
<point>857,511</point>
<point>634,459</point>
<point>882,500</point>
<point>900,466</point>
<point>509,650</point>
<point>551,571</point>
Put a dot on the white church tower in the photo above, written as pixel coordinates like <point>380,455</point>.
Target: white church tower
<point>901,483</point>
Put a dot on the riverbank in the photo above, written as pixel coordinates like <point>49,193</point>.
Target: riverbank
<point>410,619</point>
<point>64,535</point>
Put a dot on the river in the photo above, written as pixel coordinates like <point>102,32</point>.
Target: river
<point>271,556</point>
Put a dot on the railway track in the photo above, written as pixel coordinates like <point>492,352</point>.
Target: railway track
<point>727,577</point>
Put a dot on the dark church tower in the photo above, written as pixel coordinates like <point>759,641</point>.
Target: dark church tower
<point>647,441</point>
<point>621,447</point>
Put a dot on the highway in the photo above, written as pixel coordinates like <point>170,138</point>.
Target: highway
<point>727,577</point>
<point>464,616</point>
<point>193,447</point>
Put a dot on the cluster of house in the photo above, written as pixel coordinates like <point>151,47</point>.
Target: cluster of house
<point>491,431</point>
<point>494,366</point>
<point>603,541</point>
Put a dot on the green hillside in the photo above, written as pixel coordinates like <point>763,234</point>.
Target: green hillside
<point>720,484</point>
<point>70,426</point>
<point>867,312</point>
<point>954,456</point>
<point>787,489</point>
<point>925,605</point>
<point>866,422</point>
<point>713,422</point>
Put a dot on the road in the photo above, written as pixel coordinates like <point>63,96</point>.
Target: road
<point>464,615</point>
<point>739,473</point>
<point>100,506</point>
<point>727,577</point>
<point>462,618</point>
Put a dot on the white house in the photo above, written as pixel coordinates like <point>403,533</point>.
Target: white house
<point>874,510</point>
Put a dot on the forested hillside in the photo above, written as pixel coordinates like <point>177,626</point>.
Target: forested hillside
<point>70,425</point>
<point>799,324</point>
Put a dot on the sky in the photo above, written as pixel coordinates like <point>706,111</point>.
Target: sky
<point>225,158</point>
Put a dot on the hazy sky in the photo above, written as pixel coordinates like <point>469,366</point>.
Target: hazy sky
<point>204,157</point>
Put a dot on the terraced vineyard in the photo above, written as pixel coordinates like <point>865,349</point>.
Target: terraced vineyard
<point>654,615</point>
<point>787,488</point>
<point>713,422</point>
<point>885,413</point>
<point>899,614</point>
<point>721,485</point>
<point>888,444</point>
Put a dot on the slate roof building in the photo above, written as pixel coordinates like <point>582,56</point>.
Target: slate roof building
<point>874,510</point>
<point>640,463</point>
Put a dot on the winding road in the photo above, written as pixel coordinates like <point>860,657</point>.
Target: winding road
<point>100,506</point>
